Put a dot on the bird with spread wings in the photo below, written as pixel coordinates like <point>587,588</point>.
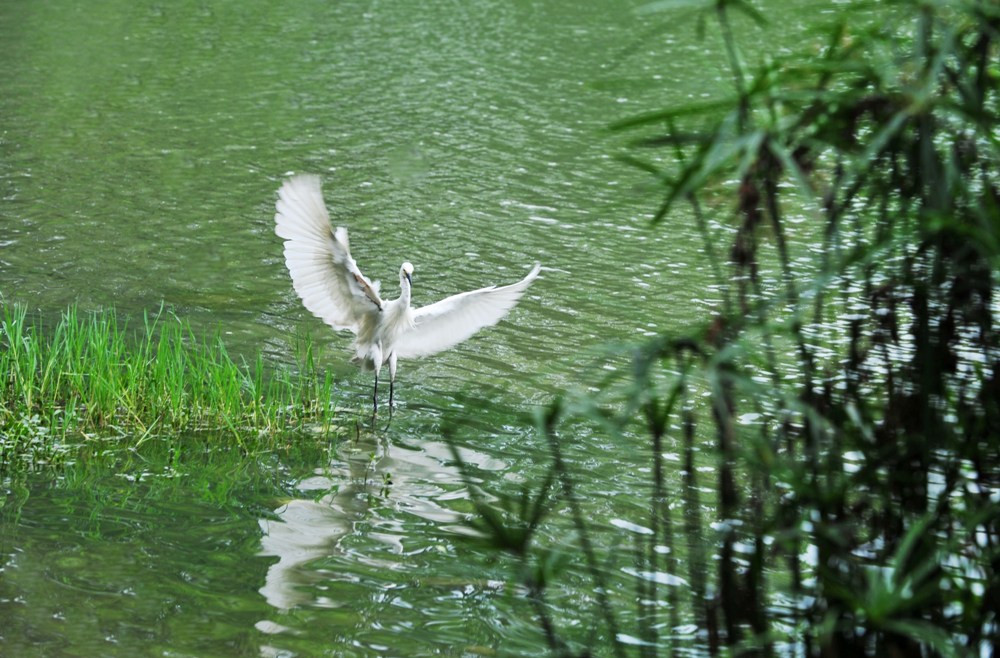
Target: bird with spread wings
<point>333,288</point>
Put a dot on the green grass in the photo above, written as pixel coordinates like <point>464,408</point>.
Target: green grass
<point>95,375</point>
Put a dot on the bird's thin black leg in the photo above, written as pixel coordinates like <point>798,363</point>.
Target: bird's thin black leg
<point>392,384</point>
<point>392,379</point>
<point>375,397</point>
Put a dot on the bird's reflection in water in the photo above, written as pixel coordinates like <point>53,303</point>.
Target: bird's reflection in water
<point>422,481</point>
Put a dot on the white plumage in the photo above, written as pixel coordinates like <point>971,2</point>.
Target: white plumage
<point>332,287</point>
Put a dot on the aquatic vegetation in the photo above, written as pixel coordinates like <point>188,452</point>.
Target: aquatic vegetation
<point>93,374</point>
<point>853,389</point>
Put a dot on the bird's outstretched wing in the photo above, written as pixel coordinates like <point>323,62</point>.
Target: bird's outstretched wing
<point>319,260</point>
<point>450,321</point>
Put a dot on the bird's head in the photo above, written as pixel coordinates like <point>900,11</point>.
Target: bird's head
<point>406,272</point>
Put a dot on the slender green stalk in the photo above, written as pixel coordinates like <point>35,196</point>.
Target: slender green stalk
<point>94,374</point>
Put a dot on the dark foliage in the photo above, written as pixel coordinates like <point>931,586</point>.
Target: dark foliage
<point>859,514</point>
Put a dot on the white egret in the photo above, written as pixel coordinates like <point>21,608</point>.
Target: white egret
<point>332,287</point>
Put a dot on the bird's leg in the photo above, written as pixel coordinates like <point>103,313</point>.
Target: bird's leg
<point>392,378</point>
<point>391,405</point>
<point>376,357</point>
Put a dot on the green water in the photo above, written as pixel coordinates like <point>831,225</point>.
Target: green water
<point>141,147</point>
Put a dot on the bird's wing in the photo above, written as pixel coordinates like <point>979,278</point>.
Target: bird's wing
<point>319,260</point>
<point>450,321</point>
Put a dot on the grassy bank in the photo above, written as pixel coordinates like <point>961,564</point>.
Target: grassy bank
<point>97,374</point>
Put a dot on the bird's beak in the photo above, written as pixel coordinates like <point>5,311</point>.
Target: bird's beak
<point>409,279</point>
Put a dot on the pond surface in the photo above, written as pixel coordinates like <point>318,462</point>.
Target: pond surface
<point>141,148</point>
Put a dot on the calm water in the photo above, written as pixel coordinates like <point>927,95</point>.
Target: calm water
<point>141,147</point>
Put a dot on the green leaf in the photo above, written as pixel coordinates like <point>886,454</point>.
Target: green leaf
<point>674,5</point>
<point>662,116</point>
<point>746,9</point>
<point>927,634</point>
